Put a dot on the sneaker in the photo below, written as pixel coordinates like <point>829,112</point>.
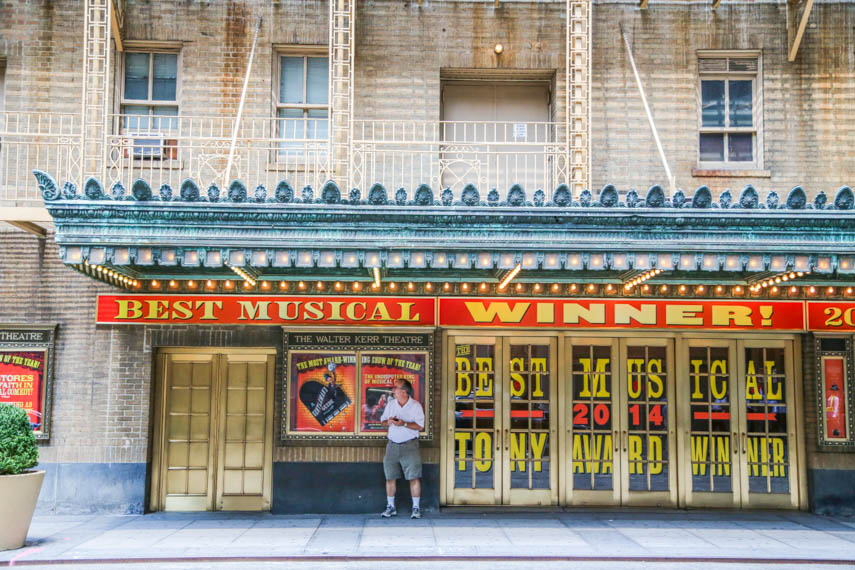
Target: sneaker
<point>417,513</point>
<point>389,512</point>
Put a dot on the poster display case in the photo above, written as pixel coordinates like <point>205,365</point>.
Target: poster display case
<point>834,397</point>
<point>26,372</point>
<point>338,383</point>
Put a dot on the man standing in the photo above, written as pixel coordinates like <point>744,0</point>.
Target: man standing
<point>405,418</point>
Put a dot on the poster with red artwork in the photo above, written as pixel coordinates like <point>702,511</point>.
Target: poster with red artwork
<point>323,392</point>
<point>378,373</point>
<point>22,382</point>
<point>834,372</point>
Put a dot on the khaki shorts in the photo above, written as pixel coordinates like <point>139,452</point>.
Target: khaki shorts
<point>403,460</point>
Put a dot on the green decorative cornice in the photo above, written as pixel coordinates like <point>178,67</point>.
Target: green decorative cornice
<point>285,225</point>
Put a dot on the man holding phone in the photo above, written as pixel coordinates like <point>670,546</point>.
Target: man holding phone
<point>405,418</point>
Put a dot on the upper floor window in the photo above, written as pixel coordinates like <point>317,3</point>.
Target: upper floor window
<point>729,132</point>
<point>150,91</point>
<point>303,106</point>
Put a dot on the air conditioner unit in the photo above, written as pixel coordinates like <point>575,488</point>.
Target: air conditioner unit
<point>149,146</point>
<point>144,146</point>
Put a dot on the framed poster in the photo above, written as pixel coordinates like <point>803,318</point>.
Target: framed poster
<point>26,372</point>
<point>323,391</point>
<point>833,394</point>
<point>377,375</point>
<point>338,383</point>
<point>835,398</point>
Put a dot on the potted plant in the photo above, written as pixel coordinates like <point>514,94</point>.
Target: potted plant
<point>19,487</point>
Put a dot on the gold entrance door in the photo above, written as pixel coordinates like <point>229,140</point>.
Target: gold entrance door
<point>213,434</point>
<point>473,467</point>
<point>501,444</point>
<point>529,416</point>
<point>709,466</point>
<point>767,425</point>
<point>591,474</point>
<point>738,439</point>
<point>246,452</point>
<point>647,422</point>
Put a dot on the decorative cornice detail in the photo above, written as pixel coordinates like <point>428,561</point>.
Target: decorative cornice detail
<point>690,230</point>
<point>608,196</point>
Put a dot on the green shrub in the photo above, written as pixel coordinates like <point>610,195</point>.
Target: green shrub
<point>18,450</point>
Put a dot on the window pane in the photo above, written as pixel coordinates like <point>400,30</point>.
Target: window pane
<point>318,128</point>
<point>164,124</point>
<point>291,80</point>
<point>712,147</point>
<point>136,76</point>
<point>712,103</point>
<point>740,103</point>
<point>136,118</point>
<point>165,76</point>
<point>317,76</point>
<point>740,147</point>
<point>292,124</point>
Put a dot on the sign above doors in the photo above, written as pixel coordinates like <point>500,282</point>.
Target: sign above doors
<point>552,313</point>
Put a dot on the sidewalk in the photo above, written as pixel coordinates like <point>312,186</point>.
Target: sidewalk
<point>453,534</point>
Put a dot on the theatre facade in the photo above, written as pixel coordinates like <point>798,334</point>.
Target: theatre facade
<point>551,374</point>
<point>610,244</point>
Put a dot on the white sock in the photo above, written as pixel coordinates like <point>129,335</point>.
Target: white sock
<point>390,501</point>
<point>416,501</point>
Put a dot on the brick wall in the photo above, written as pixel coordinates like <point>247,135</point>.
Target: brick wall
<point>806,108</point>
<point>402,47</point>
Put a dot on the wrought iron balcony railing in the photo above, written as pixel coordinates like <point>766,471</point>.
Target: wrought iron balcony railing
<point>44,141</point>
<point>451,154</point>
<point>164,149</point>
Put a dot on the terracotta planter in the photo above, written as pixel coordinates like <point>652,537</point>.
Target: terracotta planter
<point>18,496</point>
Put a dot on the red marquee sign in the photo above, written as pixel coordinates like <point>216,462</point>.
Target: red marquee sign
<point>552,313</point>
<point>704,314</point>
<point>265,310</point>
<point>831,316</point>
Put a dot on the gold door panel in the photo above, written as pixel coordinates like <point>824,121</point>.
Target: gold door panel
<point>768,425</point>
<point>474,406</point>
<point>592,474</point>
<point>213,437</point>
<point>187,424</point>
<point>709,406</point>
<point>647,417</point>
<point>247,447</point>
<point>529,419</point>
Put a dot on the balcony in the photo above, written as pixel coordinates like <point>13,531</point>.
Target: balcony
<point>452,154</point>
<point>165,150</point>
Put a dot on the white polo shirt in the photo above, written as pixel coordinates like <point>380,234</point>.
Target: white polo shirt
<point>410,412</point>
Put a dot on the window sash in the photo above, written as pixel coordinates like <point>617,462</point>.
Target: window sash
<point>754,129</point>
<point>149,101</point>
<point>301,128</point>
<point>304,97</point>
<point>726,161</point>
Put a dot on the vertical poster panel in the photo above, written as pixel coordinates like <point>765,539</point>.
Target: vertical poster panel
<point>379,371</point>
<point>22,374</point>
<point>323,391</point>
<point>834,375</point>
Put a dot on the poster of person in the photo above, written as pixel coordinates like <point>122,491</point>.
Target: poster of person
<point>22,382</point>
<point>835,397</point>
<point>378,374</point>
<point>323,390</point>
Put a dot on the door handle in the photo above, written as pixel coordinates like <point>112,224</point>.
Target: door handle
<point>744,443</point>
<point>625,441</point>
<point>507,439</point>
<point>498,437</point>
<point>617,440</point>
<point>734,443</point>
